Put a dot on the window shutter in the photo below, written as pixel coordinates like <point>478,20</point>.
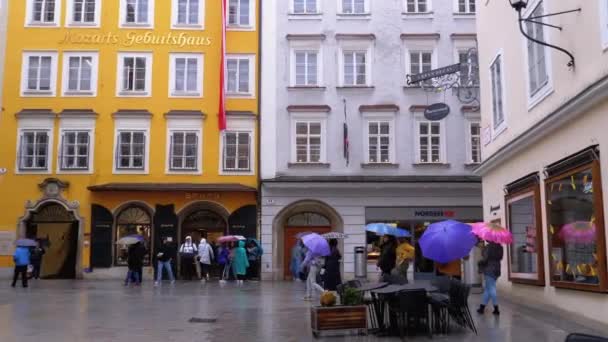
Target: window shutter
<point>144,152</point>
<point>61,151</point>
<point>117,152</point>
<point>225,150</point>
<point>88,149</point>
<point>196,151</point>
<point>20,151</point>
<point>249,151</point>
<point>171,139</point>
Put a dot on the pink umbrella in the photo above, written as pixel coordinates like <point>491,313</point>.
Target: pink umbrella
<point>492,232</point>
<point>230,238</point>
<point>578,232</point>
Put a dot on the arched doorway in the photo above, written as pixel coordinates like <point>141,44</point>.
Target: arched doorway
<point>132,219</point>
<point>301,216</point>
<point>57,230</point>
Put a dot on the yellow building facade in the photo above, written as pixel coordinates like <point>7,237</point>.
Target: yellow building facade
<point>109,128</point>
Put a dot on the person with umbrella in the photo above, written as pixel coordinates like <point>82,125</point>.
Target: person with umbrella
<point>21,257</point>
<point>135,262</point>
<point>254,254</point>
<point>490,264</point>
<point>388,255</point>
<point>297,255</point>
<point>240,263</point>
<point>317,249</point>
<point>331,275</point>
<point>405,254</point>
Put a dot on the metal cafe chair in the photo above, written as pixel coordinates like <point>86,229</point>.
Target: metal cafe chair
<point>411,309</point>
<point>585,338</point>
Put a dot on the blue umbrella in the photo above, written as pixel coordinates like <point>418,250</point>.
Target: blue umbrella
<point>447,241</point>
<point>26,243</point>
<point>387,229</point>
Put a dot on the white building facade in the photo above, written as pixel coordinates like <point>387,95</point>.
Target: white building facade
<point>335,65</point>
<point>544,141</point>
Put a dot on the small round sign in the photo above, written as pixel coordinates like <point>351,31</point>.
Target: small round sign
<point>3,170</point>
<point>436,111</point>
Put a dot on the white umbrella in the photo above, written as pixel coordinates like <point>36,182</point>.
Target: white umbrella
<point>334,235</point>
<point>129,240</point>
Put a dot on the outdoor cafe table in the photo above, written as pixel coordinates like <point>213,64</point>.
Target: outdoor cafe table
<point>381,295</point>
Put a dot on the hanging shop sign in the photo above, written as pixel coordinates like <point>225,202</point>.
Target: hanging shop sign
<point>423,76</point>
<point>135,38</point>
<point>436,111</point>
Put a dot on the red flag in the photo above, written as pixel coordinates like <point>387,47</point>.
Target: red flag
<point>222,108</point>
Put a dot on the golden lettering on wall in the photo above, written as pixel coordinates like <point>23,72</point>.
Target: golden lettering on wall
<point>132,38</point>
<point>202,196</point>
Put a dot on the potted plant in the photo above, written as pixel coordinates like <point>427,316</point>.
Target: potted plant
<point>350,315</point>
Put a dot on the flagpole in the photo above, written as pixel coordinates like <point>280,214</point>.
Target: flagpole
<point>222,104</point>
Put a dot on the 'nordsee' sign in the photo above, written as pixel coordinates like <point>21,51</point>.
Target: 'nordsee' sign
<point>132,39</point>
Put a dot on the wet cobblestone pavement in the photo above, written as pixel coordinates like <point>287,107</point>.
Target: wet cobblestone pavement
<point>63,311</point>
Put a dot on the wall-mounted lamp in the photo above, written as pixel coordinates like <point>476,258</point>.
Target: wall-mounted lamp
<point>519,5</point>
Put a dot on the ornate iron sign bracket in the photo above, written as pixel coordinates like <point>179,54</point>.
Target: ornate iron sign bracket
<point>462,78</point>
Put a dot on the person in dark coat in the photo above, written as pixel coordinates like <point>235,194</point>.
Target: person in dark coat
<point>331,277</point>
<point>135,262</point>
<point>388,255</point>
<point>490,264</point>
<point>166,253</point>
<point>36,255</point>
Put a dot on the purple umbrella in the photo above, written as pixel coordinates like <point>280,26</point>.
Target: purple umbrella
<point>316,244</point>
<point>447,241</point>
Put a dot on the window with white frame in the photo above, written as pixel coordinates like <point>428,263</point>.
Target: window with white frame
<point>43,12</point>
<point>306,6</point>
<point>184,151</point>
<point>306,68</point>
<point>134,74</point>
<point>498,115</point>
<point>236,151</point>
<point>604,22</point>
<point>308,141</point>
<point>75,150</point>
<point>417,6</point>
<point>465,6</point>
<point>538,75</point>
<point>137,13</point>
<point>34,150</point>
<point>429,142</point>
<point>465,72</point>
<point>83,12</point>
<point>420,61</point>
<point>186,75</point>
<point>188,13</point>
<point>355,68</point>
<point>39,74</point>
<point>240,74</point>
<point>80,73</point>
<point>240,13</point>
<point>131,150</point>
<point>379,142</point>
<point>474,142</point>
<point>354,6</point>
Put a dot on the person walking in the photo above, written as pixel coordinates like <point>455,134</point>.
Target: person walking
<point>164,257</point>
<point>314,264</point>
<point>36,255</point>
<point>405,254</point>
<point>135,262</point>
<point>21,257</point>
<point>205,257</point>
<point>489,265</point>
<point>331,275</point>
<point>240,263</point>
<point>388,255</point>
<point>223,259</point>
<point>187,253</point>
<point>297,255</point>
<point>254,255</point>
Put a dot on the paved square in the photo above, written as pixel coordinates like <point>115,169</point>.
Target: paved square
<point>65,311</point>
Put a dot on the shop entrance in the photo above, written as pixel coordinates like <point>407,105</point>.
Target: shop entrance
<point>205,224</point>
<point>57,230</point>
<point>301,223</point>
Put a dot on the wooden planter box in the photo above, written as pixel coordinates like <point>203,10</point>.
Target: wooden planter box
<point>338,318</point>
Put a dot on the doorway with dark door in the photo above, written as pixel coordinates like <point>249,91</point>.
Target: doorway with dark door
<point>56,229</point>
<point>203,224</point>
<point>299,224</point>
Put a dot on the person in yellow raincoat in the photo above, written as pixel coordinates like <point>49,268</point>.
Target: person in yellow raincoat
<point>405,254</point>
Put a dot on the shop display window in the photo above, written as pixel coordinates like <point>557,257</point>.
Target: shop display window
<point>525,254</point>
<point>132,221</point>
<point>575,222</point>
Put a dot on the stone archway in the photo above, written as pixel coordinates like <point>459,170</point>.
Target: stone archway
<point>279,224</point>
<point>55,206</point>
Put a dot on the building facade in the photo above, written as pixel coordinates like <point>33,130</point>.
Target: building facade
<point>336,66</point>
<point>110,127</point>
<point>544,170</point>
<point>3,13</point>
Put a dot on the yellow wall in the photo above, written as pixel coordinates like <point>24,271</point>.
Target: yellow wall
<point>15,190</point>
